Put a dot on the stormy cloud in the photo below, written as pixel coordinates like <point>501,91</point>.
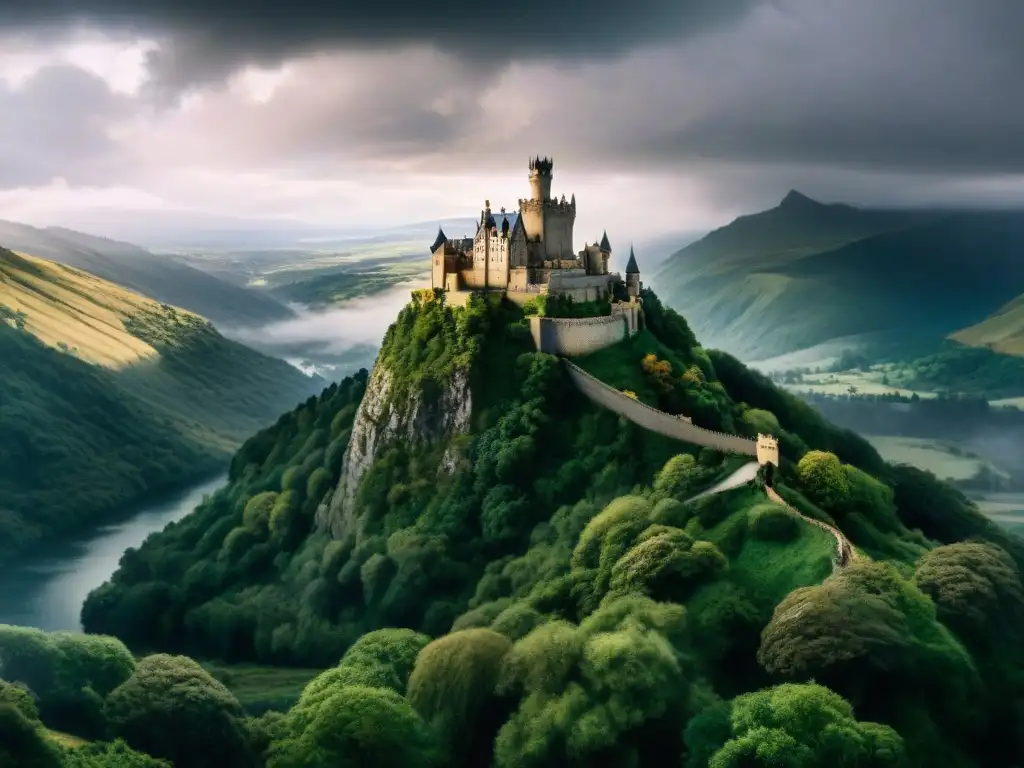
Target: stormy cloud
<point>662,115</point>
<point>211,37</point>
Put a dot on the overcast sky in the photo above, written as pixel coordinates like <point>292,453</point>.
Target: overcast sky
<point>661,115</point>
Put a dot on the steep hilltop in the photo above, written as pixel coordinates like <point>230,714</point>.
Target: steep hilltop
<point>806,273</point>
<point>107,397</point>
<point>575,590</point>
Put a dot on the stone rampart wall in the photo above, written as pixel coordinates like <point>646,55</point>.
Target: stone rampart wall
<point>573,336</point>
<point>654,420</point>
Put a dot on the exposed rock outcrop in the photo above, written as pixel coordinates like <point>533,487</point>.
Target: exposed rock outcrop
<point>383,420</point>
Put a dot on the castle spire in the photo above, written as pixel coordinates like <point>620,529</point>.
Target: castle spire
<point>631,267</point>
<point>441,240</point>
<point>605,245</point>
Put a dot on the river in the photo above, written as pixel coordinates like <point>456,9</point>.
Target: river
<point>47,589</point>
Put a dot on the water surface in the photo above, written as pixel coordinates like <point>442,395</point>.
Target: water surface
<point>47,589</point>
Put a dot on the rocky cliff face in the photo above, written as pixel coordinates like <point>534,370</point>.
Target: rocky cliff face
<point>381,421</point>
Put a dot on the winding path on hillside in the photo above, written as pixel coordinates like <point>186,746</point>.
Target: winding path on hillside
<point>652,419</point>
<point>844,549</point>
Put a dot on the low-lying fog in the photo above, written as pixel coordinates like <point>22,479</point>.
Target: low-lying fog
<point>332,342</point>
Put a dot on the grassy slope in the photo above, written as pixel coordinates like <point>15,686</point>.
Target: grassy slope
<point>107,397</point>
<point>260,688</point>
<point>804,273</point>
<point>158,277</point>
<point>1002,332</point>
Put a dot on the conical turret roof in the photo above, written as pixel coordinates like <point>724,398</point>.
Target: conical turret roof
<point>631,267</point>
<point>605,245</point>
<point>441,240</point>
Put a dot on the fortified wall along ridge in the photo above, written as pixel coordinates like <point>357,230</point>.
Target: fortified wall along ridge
<point>528,254</point>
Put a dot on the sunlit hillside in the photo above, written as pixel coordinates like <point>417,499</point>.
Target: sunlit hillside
<point>1002,332</point>
<point>78,313</point>
<point>107,398</point>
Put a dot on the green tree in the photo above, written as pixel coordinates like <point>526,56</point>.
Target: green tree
<point>114,754</point>
<point>679,475</point>
<point>584,689</point>
<point>665,564</point>
<point>357,726</point>
<point>452,687</point>
<point>821,474</point>
<point>23,742</point>
<point>975,586</point>
<point>172,708</point>
<point>804,726</point>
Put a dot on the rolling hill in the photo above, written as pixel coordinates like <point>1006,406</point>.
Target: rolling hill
<point>1002,332</point>
<point>107,397</point>
<point>158,277</point>
<point>806,273</point>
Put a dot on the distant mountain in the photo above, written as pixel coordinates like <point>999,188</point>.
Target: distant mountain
<point>107,397</point>
<point>1003,331</point>
<point>806,273</point>
<point>157,277</point>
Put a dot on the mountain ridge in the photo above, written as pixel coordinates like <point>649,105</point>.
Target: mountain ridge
<point>805,273</point>
<point>158,277</point>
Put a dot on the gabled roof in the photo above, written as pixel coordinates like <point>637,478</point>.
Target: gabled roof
<point>441,240</point>
<point>605,245</point>
<point>631,267</point>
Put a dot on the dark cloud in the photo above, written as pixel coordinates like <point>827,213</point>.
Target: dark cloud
<point>919,85</point>
<point>55,125</point>
<point>211,37</point>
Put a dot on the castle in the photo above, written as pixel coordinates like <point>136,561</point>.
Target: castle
<point>529,253</point>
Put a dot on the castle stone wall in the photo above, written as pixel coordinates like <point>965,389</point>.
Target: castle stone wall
<point>654,420</point>
<point>569,337</point>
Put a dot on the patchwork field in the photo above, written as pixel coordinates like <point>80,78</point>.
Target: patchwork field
<point>1004,508</point>
<point>862,382</point>
<point>945,460</point>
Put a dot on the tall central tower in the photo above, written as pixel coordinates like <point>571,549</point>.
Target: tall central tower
<point>545,219</point>
<point>540,178</point>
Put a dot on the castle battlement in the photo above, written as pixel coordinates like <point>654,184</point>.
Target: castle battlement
<point>560,206</point>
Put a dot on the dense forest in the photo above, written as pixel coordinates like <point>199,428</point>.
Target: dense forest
<point>79,441</point>
<point>542,588</point>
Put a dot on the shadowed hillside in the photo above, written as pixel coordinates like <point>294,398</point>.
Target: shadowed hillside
<point>107,397</point>
<point>805,273</point>
<point>158,277</point>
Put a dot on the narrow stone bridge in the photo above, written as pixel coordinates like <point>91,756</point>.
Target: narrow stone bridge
<point>765,448</point>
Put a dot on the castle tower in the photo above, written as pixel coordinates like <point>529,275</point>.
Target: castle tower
<point>633,284</point>
<point>437,260</point>
<point>540,178</point>
<point>546,220</point>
